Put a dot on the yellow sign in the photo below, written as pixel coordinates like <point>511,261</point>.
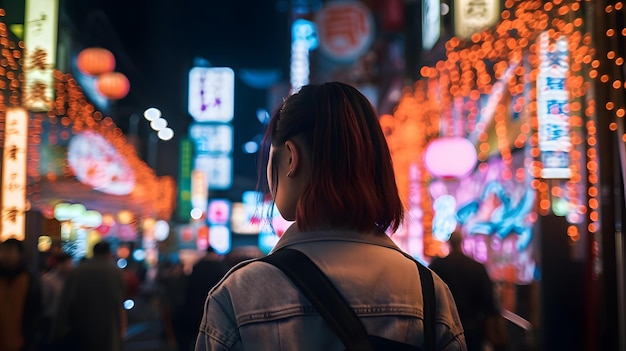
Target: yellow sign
<point>14,174</point>
<point>473,16</point>
<point>40,38</point>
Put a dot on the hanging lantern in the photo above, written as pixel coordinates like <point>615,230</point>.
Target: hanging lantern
<point>450,157</point>
<point>113,85</point>
<point>95,61</point>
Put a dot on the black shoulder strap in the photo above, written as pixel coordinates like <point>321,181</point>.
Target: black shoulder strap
<point>333,307</point>
<point>316,286</point>
<point>428,293</point>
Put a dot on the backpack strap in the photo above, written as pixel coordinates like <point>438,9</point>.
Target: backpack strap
<point>334,308</point>
<point>321,292</point>
<point>428,293</point>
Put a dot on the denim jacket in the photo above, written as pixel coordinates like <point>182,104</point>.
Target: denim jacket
<point>256,307</point>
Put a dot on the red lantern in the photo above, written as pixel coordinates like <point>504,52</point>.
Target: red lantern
<point>113,85</point>
<point>95,61</point>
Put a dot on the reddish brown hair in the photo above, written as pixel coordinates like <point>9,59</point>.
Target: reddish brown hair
<point>352,181</point>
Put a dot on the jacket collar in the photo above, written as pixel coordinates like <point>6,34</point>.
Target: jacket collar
<point>293,236</point>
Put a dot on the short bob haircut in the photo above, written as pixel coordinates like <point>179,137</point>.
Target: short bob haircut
<point>352,180</point>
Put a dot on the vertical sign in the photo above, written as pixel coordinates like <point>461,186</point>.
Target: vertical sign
<point>211,94</point>
<point>184,179</point>
<point>431,23</point>
<point>303,39</point>
<point>14,174</point>
<point>553,107</point>
<point>472,16</point>
<point>40,38</point>
<point>199,190</point>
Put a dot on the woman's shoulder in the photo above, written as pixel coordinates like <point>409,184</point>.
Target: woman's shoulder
<point>249,274</point>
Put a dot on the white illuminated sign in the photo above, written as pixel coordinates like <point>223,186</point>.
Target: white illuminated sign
<point>431,23</point>
<point>472,16</point>
<point>303,39</point>
<point>553,111</point>
<point>40,37</point>
<point>14,174</point>
<point>212,94</point>
<point>217,169</point>
<point>219,238</point>
<point>212,138</point>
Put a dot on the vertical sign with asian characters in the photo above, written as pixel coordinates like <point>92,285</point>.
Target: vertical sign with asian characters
<point>473,16</point>
<point>14,174</point>
<point>40,38</point>
<point>553,107</point>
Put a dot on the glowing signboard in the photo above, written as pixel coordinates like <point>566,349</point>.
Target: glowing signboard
<point>14,174</point>
<point>553,107</point>
<point>472,16</point>
<point>217,169</point>
<point>303,39</point>
<point>40,38</point>
<point>346,29</point>
<point>431,23</point>
<point>212,94</point>
<point>97,163</point>
<point>214,138</point>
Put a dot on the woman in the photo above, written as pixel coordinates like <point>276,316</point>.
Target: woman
<point>329,170</point>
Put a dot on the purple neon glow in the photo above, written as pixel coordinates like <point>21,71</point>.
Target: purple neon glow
<point>450,157</point>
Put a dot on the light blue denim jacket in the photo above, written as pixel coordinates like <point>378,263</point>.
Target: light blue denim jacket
<point>256,307</point>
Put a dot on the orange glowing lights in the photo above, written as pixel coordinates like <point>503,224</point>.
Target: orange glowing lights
<point>95,61</point>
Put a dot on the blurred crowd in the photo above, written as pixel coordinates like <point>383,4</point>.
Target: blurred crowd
<point>61,303</point>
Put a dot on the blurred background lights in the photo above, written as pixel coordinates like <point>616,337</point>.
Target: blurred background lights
<point>152,113</point>
<point>250,147</point>
<point>158,123</point>
<point>139,255</point>
<point>263,116</point>
<point>44,243</point>
<point>196,213</point>
<point>560,207</point>
<point>445,9</point>
<point>122,263</point>
<point>129,304</point>
<point>166,134</point>
<point>161,230</point>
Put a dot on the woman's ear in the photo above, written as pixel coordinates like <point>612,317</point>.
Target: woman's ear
<point>293,155</point>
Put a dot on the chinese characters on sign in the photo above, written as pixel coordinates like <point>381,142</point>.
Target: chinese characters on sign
<point>553,107</point>
<point>211,94</point>
<point>346,30</point>
<point>472,16</point>
<point>14,174</point>
<point>40,38</point>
